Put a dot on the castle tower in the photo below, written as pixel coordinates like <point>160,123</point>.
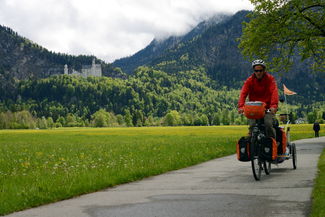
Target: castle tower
<point>96,69</point>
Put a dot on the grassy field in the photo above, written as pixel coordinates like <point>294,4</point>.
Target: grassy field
<point>43,166</point>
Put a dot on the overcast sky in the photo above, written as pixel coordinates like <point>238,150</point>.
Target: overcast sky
<point>108,29</point>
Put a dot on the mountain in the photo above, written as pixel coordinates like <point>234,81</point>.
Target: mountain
<point>158,47</point>
<point>197,76</point>
<point>214,47</point>
<point>22,59</point>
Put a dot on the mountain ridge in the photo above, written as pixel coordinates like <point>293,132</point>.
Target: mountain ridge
<point>216,50</point>
<point>23,59</point>
<point>157,46</point>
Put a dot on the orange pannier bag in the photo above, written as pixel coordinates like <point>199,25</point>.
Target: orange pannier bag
<point>284,141</point>
<point>274,149</point>
<point>254,110</point>
<point>282,138</point>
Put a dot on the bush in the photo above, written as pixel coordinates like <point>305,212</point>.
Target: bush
<point>17,120</point>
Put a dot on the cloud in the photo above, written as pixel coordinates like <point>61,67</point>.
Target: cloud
<point>108,29</point>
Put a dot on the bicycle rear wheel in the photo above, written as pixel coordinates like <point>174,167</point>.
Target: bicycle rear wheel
<point>294,155</point>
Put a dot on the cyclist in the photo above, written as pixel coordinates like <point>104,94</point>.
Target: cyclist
<point>261,86</point>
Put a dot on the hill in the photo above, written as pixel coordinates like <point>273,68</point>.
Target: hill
<point>23,59</point>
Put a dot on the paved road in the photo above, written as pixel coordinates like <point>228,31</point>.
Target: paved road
<point>221,187</point>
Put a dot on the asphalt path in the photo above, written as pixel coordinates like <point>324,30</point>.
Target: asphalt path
<point>220,187</point>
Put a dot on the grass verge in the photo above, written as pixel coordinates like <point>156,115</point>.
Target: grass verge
<point>318,196</point>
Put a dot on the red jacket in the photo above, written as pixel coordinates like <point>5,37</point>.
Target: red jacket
<point>264,90</point>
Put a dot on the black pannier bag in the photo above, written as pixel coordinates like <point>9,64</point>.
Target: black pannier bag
<point>269,149</point>
<point>242,149</point>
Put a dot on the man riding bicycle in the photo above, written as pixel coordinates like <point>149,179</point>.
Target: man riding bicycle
<point>261,86</point>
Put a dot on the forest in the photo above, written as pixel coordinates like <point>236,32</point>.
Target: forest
<point>148,98</point>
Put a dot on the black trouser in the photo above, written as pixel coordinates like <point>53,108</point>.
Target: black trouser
<point>268,122</point>
<point>316,133</point>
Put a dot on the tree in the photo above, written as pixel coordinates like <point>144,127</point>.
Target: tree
<point>216,119</point>
<point>172,118</point>
<point>128,118</point>
<point>292,117</point>
<point>120,120</point>
<point>187,119</point>
<point>25,120</point>
<point>71,120</point>
<point>60,121</point>
<point>225,117</point>
<point>311,117</point>
<point>100,118</point>
<point>197,120</point>
<point>42,123</point>
<point>279,29</point>
<point>3,122</point>
<point>205,120</point>
<point>50,122</point>
<point>149,121</point>
<point>138,118</point>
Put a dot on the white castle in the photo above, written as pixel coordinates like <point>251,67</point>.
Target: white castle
<point>86,70</point>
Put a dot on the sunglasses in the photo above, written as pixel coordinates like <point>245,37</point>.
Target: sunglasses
<point>260,70</point>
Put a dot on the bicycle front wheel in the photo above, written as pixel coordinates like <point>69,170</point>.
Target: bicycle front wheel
<point>256,164</point>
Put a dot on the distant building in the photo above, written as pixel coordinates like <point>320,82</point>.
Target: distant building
<point>86,70</point>
<point>66,70</point>
<point>92,70</point>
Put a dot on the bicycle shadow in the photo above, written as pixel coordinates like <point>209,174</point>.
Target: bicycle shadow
<point>277,172</point>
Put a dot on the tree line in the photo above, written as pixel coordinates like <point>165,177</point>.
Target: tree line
<point>25,120</point>
<point>148,98</point>
<point>141,100</point>
<point>101,118</point>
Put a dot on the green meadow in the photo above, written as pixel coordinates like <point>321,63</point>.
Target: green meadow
<point>43,166</point>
